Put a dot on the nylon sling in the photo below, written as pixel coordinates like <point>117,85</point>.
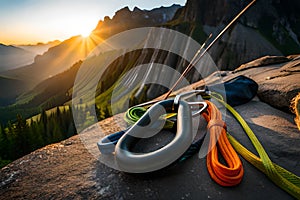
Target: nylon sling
<point>280,176</point>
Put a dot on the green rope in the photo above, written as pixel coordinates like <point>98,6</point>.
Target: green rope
<point>280,176</point>
<point>133,114</point>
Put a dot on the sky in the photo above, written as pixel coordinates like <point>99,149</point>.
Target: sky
<point>33,21</point>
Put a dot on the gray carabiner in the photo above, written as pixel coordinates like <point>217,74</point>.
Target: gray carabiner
<point>188,95</point>
<point>146,162</point>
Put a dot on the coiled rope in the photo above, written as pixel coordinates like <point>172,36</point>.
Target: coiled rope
<point>280,176</point>
<point>295,107</point>
<point>225,175</point>
<point>133,114</point>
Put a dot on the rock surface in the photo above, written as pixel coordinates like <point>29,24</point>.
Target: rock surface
<point>70,169</point>
<point>278,82</point>
<point>277,76</point>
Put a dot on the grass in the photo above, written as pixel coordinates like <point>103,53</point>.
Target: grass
<point>26,98</point>
<point>49,112</point>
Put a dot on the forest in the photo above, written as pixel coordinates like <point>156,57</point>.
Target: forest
<point>26,135</point>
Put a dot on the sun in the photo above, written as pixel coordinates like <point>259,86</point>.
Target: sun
<point>85,33</point>
<point>83,28</point>
<point>78,25</point>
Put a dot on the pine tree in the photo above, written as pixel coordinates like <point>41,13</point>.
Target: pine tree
<point>49,130</point>
<point>43,120</point>
<point>4,143</point>
<point>10,140</point>
<point>71,129</point>
<point>22,144</point>
<point>98,113</point>
<point>36,139</point>
<point>57,133</point>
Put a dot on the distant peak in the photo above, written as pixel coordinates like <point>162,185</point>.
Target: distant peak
<point>125,9</point>
<point>136,9</point>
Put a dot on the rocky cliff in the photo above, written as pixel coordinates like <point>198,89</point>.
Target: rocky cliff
<point>268,28</point>
<point>125,19</point>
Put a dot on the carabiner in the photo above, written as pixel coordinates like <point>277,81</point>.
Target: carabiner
<point>107,144</point>
<point>188,95</point>
<point>146,162</point>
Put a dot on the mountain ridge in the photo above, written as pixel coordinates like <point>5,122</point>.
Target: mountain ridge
<point>62,57</point>
<point>12,57</point>
<point>39,48</point>
<point>68,52</point>
<point>245,41</point>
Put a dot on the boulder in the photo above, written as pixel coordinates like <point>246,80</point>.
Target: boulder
<point>278,79</point>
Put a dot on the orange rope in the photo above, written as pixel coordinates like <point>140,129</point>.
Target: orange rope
<point>225,175</point>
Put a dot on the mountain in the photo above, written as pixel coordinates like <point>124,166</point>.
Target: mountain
<point>54,91</point>
<point>10,88</point>
<point>125,19</point>
<point>59,58</point>
<point>13,57</point>
<point>46,82</point>
<point>268,28</point>
<point>253,36</point>
<point>51,92</point>
<point>39,48</point>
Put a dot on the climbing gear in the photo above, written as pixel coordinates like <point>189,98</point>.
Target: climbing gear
<point>280,176</point>
<point>224,175</point>
<point>295,106</point>
<point>146,162</point>
<point>148,123</point>
<point>238,90</point>
<point>181,146</point>
<point>107,144</point>
<point>232,173</point>
<point>137,162</point>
